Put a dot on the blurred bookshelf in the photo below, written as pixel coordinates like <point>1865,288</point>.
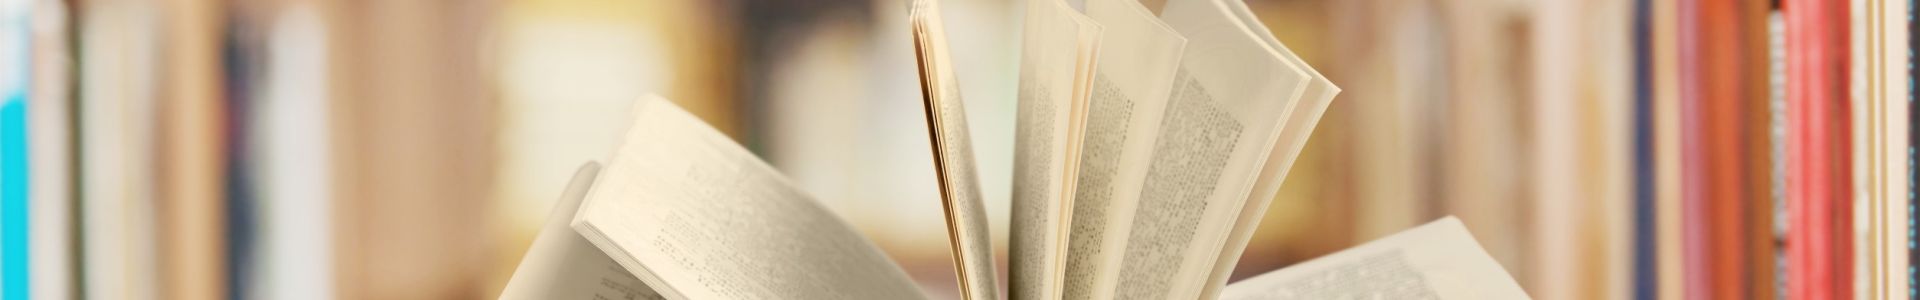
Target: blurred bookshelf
<point>319,149</point>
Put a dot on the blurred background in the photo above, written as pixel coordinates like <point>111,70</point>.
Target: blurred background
<point>365,149</point>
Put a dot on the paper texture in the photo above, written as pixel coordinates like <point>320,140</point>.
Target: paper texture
<point>1439,260</point>
<point>966,215</point>
<point>1138,58</point>
<point>563,265</point>
<point>696,216</point>
<point>1220,125</point>
<point>1293,137</point>
<point>1055,78</point>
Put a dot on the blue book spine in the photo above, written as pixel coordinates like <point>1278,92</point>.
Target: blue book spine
<point>13,197</point>
<point>240,55</point>
<point>1646,278</point>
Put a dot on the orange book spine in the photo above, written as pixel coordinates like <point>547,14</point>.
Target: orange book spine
<point>1720,180</point>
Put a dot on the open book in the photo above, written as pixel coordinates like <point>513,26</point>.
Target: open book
<point>682,212</point>
<point>1148,147</point>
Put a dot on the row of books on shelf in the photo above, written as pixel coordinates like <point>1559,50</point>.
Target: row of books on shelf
<point>1750,149</point>
<point>1772,149</point>
<point>1693,149</point>
<point>135,152</point>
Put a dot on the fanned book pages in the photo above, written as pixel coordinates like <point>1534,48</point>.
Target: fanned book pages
<point>696,216</point>
<point>1230,97</point>
<point>1298,125</point>
<point>1147,149</point>
<point>1056,65</point>
<point>1439,260</point>
<point>1134,76</point>
<point>966,215</point>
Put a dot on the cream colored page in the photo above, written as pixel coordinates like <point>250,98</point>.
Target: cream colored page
<point>1138,58</point>
<point>562,265</point>
<point>953,147</point>
<point>1226,110</point>
<point>696,216</point>
<point>1293,137</point>
<point>1439,260</point>
<point>1054,79</point>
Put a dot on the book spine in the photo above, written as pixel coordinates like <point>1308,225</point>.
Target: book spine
<point>14,198</point>
<point>1913,137</point>
<point>51,149</point>
<point>14,206</point>
<point>191,204</point>
<point>1693,168</point>
<point>1669,181</point>
<point>1755,166</point>
<point>1723,124</point>
<point>1819,249</point>
<point>239,54</point>
<point>1645,270</point>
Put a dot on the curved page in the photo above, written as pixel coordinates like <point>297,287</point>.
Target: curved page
<point>1056,65</point>
<point>953,155</point>
<point>1138,58</point>
<point>1439,260</point>
<point>563,265</point>
<point>696,216</point>
<point>1293,137</point>
<point>1229,101</point>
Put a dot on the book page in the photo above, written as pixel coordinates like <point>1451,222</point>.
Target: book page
<point>1439,260</point>
<point>696,216</point>
<point>1138,58</point>
<point>1229,100</point>
<point>563,265</point>
<point>1293,137</point>
<point>953,156</point>
<point>1058,49</point>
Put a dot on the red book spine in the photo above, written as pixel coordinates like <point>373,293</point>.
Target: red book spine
<point>1818,150</point>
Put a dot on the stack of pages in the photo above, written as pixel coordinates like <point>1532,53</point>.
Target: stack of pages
<point>1148,147</point>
